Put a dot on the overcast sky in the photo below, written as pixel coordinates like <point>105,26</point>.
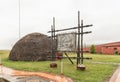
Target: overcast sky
<point>37,15</point>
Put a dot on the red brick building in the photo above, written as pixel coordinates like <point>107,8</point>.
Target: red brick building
<point>109,48</point>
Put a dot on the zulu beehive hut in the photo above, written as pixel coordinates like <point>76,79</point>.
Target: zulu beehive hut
<point>32,47</point>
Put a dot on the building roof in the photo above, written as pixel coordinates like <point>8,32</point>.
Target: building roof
<point>113,44</point>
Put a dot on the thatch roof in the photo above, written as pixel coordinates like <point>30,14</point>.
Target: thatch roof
<point>32,47</point>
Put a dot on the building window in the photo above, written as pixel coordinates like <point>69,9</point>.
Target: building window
<point>115,48</point>
<point>106,47</point>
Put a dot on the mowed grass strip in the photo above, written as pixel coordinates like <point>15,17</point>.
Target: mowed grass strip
<point>93,73</point>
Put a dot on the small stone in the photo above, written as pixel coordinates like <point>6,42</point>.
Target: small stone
<point>81,67</point>
<point>53,65</point>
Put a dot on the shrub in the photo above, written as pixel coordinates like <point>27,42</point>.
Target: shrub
<point>92,49</point>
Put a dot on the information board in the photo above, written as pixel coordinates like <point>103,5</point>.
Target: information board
<point>66,42</point>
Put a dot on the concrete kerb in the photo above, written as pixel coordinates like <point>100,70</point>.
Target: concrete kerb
<point>13,75</point>
<point>116,76</point>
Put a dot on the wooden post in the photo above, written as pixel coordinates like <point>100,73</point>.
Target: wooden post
<point>69,58</point>
<point>81,66</point>
<point>53,64</point>
<point>81,41</point>
<point>52,52</point>
<point>78,51</point>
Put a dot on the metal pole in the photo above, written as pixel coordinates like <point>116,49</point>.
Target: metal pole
<point>82,41</point>
<point>78,53</point>
<point>54,40</point>
<point>61,67</point>
<point>54,26</point>
<point>19,19</point>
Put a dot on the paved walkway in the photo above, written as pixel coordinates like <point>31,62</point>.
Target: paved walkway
<point>106,63</point>
<point>116,76</point>
<point>11,75</point>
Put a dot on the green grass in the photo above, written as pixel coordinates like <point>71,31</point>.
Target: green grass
<point>93,73</point>
<point>104,58</point>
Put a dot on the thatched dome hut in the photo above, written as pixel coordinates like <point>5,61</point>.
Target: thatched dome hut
<point>32,47</point>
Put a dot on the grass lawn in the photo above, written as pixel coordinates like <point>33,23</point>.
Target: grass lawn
<point>94,72</point>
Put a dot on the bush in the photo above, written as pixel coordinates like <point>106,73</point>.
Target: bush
<point>116,52</point>
<point>92,49</point>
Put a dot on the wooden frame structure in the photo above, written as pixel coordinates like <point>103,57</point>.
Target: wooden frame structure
<point>80,34</point>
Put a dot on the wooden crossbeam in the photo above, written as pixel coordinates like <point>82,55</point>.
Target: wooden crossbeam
<point>71,28</point>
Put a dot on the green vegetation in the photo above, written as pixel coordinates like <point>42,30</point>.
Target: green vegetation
<point>92,49</point>
<point>95,72</point>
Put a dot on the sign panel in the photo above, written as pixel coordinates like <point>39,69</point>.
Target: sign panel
<point>66,42</point>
